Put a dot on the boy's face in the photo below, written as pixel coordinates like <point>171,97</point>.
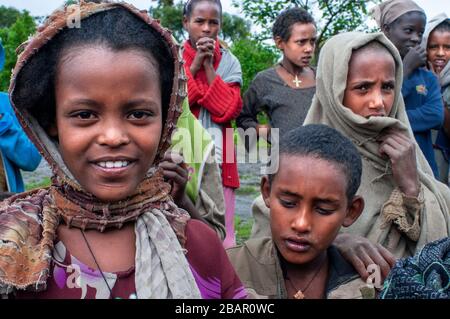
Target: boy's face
<point>299,48</point>
<point>203,22</point>
<point>308,205</point>
<point>108,118</point>
<point>406,32</point>
<point>438,50</point>
<point>370,89</point>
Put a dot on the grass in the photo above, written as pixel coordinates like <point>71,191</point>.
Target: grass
<point>243,229</point>
<point>43,183</point>
<point>248,190</point>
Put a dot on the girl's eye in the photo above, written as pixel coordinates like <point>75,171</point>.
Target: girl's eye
<point>363,88</point>
<point>388,87</point>
<point>139,115</point>
<point>84,115</point>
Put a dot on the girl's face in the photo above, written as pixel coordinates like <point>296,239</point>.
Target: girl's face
<point>299,48</point>
<point>204,21</point>
<point>370,89</point>
<point>108,118</point>
<point>438,50</point>
<point>407,31</point>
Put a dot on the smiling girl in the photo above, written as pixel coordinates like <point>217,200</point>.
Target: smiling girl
<point>107,227</point>
<point>436,40</point>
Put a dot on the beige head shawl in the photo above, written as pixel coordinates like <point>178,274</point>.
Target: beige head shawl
<point>377,184</point>
<point>444,76</point>
<point>388,11</point>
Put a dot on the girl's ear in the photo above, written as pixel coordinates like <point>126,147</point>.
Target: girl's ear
<point>185,22</point>
<point>354,211</point>
<point>265,190</point>
<point>385,29</point>
<point>279,42</point>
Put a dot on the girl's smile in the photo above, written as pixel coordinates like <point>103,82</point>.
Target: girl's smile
<point>108,118</point>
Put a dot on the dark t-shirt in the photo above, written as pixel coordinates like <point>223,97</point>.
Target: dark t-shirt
<point>71,279</point>
<point>286,107</point>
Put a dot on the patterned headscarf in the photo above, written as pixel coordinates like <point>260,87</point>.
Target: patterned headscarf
<point>389,11</point>
<point>28,221</point>
<point>424,276</point>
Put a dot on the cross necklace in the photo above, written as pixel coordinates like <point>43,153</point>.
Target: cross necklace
<point>300,294</point>
<point>296,80</point>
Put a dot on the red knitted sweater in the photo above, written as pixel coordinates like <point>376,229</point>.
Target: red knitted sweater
<point>222,100</point>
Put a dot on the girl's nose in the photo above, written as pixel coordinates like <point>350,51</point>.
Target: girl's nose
<point>376,101</point>
<point>309,48</point>
<point>416,38</point>
<point>441,51</point>
<point>113,136</point>
<point>206,28</point>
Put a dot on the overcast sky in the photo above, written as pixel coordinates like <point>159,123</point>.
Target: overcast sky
<point>44,7</point>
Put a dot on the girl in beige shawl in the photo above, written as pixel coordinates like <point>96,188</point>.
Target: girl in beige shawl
<point>401,223</point>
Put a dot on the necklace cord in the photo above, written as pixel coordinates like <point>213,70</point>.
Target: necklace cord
<point>310,281</point>
<point>296,80</point>
<point>95,260</point>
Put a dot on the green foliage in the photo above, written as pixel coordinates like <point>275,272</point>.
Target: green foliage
<point>335,16</point>
<point>248,190</point>
<point>254,57</point>
<point>234,28</point>
<point>11,38</point>
<point>171,17</point>
<point>8,16</point>
<point>42,184</point>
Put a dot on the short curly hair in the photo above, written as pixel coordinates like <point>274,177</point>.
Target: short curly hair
<point>325,143</point>
<point>116,29</point>
<point>286,19</point>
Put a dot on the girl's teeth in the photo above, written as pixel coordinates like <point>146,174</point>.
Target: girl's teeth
<point>111,164</point>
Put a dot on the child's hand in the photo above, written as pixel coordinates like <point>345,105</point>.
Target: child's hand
<point>402,153</point>
<point>176,172</point>
<point>361,252</point>
<point>205,52</point>
<point>415,58</point>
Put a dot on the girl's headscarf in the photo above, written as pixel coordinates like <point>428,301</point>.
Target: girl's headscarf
<point>385,219</point>
<point>444,76</point>
<point>28,221</point>
<point>389,11</point>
